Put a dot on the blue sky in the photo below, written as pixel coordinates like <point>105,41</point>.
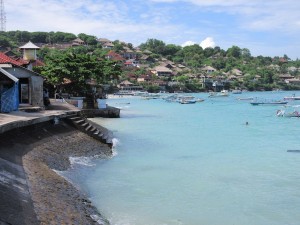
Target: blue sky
<point>265,27</point>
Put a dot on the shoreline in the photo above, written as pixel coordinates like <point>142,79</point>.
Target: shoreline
<point>29,157</point>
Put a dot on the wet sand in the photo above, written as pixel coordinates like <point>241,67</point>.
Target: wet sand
<point>31,192</point>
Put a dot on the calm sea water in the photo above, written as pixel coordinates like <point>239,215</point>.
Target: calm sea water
<point>198,164</point>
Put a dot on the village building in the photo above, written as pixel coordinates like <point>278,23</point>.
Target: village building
<point>144,78</point>
<point>112,55</point>
<point>162,71</point>
<point>104,40</point>
<point>128,53</point>
<point>78,42</point>
<point>295,81</point>
<point>131,63</point>
<point>284,77</point>
<point>108,45</point>
<point>20,85</point>
<point>129,86</point>
<point>208,69</point>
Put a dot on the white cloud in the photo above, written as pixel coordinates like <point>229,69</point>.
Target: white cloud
<point>208,42</point>
<point>188,43</point>
<point>173,21</point>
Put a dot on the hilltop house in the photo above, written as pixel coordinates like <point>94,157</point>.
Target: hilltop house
<point>208,69</point>
<point>162,71</point>
<point>78,42</point>
<point>111,55</point>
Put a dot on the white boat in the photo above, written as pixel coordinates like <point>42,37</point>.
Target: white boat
<point>223,93</point>
<point>188,99</point>
<point>292,97</point>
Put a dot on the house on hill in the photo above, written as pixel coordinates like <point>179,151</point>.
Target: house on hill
<point>78,42</point>
<point>108,45</point>
<point>208,69</point>
<point>112,55</point>
<point>162,71</point>
<point>104,40</point>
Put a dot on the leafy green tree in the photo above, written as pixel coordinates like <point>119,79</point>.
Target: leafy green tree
<point>234,51</point>
<point>219,64</point>
<point>246,54</point>
<point>171,49</point>
<point>154,45</point>
<point>39,37</point>
<point>208,52</point>
<point>4,41</point>
<point>71,71</point>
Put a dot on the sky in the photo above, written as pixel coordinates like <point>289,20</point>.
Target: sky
<point>265,27</point>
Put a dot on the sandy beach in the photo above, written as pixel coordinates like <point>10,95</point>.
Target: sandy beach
<point>31,192</point>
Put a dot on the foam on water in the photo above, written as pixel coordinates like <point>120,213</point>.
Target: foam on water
<point>115,142</point>
<point>83,161</point>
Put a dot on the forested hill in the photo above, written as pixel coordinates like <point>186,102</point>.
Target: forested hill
<point>235,66</point>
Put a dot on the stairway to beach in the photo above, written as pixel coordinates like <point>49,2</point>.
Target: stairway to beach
<point>94,130</point>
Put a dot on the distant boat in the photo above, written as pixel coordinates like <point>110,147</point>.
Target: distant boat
<point>292,97</point>
<point>223,93</point>
<point>188,99</point>
<point>269,102</point>
<point>245,99</point>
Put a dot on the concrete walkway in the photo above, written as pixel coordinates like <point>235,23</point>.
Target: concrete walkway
<point>16,119</point>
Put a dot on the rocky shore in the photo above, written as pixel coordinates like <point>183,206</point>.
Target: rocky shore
<point>31,192</point>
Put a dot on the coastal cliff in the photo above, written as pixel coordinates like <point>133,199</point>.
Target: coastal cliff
<point>31,192</point>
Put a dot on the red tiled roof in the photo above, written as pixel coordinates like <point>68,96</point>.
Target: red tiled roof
<point>22,61</point>
<point>115,56</point>
<point>38,63</point>
<point>5,59</point>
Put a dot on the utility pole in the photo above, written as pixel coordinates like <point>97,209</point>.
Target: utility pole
<point>2,16</point>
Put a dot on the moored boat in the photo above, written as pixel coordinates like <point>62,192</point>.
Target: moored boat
<point>223,93</point>
<point>292,97</point>
<point>268,103</point>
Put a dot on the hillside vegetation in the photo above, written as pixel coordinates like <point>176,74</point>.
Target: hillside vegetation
<point>189,68</point>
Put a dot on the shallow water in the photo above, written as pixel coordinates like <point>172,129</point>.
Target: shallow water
<point>198,164</point>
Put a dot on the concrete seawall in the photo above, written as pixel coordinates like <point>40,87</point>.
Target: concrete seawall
<point>32,146</point>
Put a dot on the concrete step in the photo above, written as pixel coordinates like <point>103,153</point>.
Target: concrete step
<point>79,122</point>
<point>93,129</point>
<point>89,127</point>
<point>84,124</point>
<point>97,132</point>
<point>75,118</point>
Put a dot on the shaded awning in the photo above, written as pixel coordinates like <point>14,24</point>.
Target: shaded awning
<point>13,78</point>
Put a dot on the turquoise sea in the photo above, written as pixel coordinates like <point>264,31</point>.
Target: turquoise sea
<point>197,164</point>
